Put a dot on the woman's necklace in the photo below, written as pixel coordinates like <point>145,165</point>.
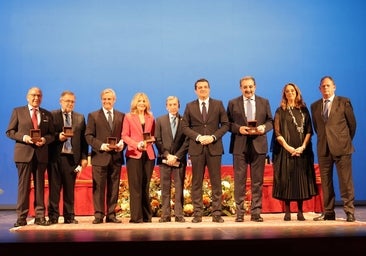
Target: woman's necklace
<point>300,129</point>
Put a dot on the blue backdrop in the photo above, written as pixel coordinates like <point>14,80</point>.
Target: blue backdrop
<point>162,47</point>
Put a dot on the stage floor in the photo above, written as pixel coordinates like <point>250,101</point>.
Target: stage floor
<point>301,237</point>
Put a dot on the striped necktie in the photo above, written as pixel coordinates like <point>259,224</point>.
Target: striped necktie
<point>326,110</point>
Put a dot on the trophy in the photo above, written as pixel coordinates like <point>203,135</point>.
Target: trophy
<point>112,142</point>
<point>68,131</point>
<point>252,127</point>
<point>147,137</point>
<point>35,135</point>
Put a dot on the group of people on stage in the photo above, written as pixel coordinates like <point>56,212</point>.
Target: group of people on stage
<point>58,141</point>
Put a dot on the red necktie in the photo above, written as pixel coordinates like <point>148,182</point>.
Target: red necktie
<point>34,119</point>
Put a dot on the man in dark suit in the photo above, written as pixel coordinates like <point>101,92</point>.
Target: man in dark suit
<point>248,144</point>
<point>172,147</point>
<point>68,155</point>
<point>335,125</point>
<point>31,154</point>
<point>103,134</point>
<point>205,122</point>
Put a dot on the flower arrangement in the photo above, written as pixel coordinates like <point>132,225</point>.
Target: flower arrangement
<point>228,202</point>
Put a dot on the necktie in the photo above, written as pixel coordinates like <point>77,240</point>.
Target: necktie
<point>110,121</point>
<point>204,112</point>
<point>67,144</point>
<point>34,118</point>
<point>174,125</point>
<point>326,109</point>
<point>249,110</point>
<point>67,120</point>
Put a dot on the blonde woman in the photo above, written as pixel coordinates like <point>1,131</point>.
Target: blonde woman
<point>138,133</point>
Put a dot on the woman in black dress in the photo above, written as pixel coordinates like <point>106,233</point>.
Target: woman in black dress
<point>293,157</point>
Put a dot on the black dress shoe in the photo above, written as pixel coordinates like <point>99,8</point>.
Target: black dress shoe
<point>113,220</point>
<point>20,222</point>
<point>136,221</point>
<point>287,217</point>
<point>300,216</point>
<point>256,218</point>
<point>326,216</point>
<point>217,218</point>
<point>71,221</point>
<point>180,219</point>
<point>53,221</point>
<point>164,219</point>
<point>97,221</point>
<point>350,217</point>
<point>197,219</point>
<point>41,222</point>
<point>239,218</point>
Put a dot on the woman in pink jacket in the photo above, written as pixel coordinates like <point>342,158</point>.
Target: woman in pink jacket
<point>138,133</point>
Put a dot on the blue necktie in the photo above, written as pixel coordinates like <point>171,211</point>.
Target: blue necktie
<point>67,144</point>
<point>174,125</point>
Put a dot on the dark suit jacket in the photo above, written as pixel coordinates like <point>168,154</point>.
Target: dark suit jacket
<point>165,143</point>
<point>20,124</point>
<point>237,118</point>
<point>96,133</point>
<point>338,131</point>
<point>217,124</point>
<point>78,142</point>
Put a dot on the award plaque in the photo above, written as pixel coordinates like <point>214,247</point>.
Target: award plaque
<point>68,131</point>
<point>147,137</point>
<point>35,135</point>
<point>177,163</point>
<point>252,127</point>
<point>112,142</point>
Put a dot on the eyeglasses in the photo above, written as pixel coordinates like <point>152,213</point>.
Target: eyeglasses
<point>35,95</point>
<point>69,101</point>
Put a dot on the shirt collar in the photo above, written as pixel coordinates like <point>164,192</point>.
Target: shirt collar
<point>205,101</point>
<point>31,108</point>
<point>330,99</point>
<point>106,111</point>
<point>252,98</point>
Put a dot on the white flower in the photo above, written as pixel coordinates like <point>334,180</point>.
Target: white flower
<point>225,184</point>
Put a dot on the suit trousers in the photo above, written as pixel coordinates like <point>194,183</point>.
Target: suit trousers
<point>25,171</point>
<point>213,163</point>
<point>344,170</point>
<point>106,181</point>
<point>61,177</point>
<point>257,165</point>
<point>166,175</point>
